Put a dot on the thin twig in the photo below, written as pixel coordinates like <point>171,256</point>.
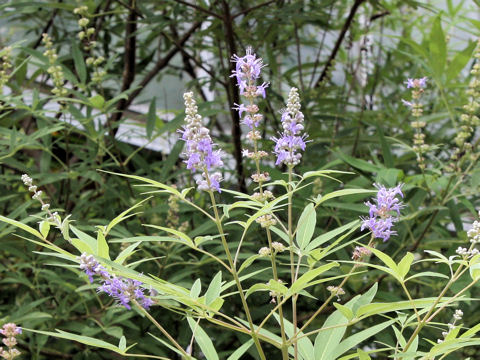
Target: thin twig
<point>199,8</point>
<point>128,66</point>
<point>246,11</point>
<point>234,98</point>
<point>339,41</point>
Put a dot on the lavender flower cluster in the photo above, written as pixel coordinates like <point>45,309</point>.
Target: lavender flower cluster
<point>199,147</point>
<point>122,289</point>
<point>383,212</point>
<point>247,71</point>
<point>10,331</point>
<point>291,139</point>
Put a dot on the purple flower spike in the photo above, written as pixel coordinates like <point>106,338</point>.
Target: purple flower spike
<point>383,212</point>
<point>199,153</point>
<point>290,140</point>
<point>416,83</point>
<point>247,71</point>
<point>122,289</point>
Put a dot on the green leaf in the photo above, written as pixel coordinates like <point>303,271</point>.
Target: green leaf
<point>196,289</point>
<point>319,240</point>
<point>81,339</point>
<point>237,354</point>
<point>380,308</point>
<point>123,216</point>
<point>455,215</point>
<point>427,274</point>
<point>203,340</point>
<point>97,101</point>
<point>304,280</point>
<point>126,253</point>
<point>327,340</point>
<point>474,267</point>
<point>79,62</point>
<point>22,226</point>
<point>404,264</point>
<point>460,60</point>
<point>169,189</point>
<point>102,245</point>
<point>151,118</point>
<point>387,260</point>
<point>358,163</point>
<point>272,285</point>
<point>306,226</point>
<point>180,234</point>
<point>122,345</point>
<point>343,192</point>
<point>305,346</point>
<point>213,291</point>
<point>84,243</point>
<point>310,174</point>
<point>357,338</point>
<point>437,47</point>
<point>248,262</point>
<point>362,355</point>
<point>44,228</point>
<point>347,312</point>
<point>386,149</point>
<point>365,298</point>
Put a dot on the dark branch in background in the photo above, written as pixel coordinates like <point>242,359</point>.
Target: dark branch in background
<point>234,98</point>
<point>244,12</point>
<point>199,8</point>
<point>186,55</point>
<point>47,26</point>
<point>190,70</point>
<point>131,8</point>
<point>320,48</point>
<point>101,18</point>
<point>160,64</point>
<point>128,66</point>
<point>379,15</point>
<point>345,27</point>
<point>299,58</point>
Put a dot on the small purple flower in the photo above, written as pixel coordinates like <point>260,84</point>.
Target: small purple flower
<point>240,108</point>
<point>416,83</point>
<point>200,153</point>
<point>122,289</point>
<point>261,89</point>
<point>247,71</point>
<point>383,212</point>
<point>407,103</point>
<point>10,330</point>
<point>291,140</point>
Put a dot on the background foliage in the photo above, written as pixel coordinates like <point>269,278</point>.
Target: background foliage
<point>348,58</point>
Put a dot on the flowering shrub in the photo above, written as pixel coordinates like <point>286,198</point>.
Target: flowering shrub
<point>345,246</point>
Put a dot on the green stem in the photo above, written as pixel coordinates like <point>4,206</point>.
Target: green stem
<point>427,318</point>
<point>234,272</point>
<point>162,330</point>
<point>280,308</point>
<point>292,259</point>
